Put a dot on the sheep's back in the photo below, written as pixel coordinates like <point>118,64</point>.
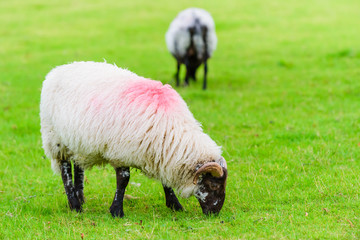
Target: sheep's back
<point>178,37</point>
<point>99,109</point>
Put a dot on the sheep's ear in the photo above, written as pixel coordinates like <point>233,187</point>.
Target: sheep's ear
<point>223,163</point>
<point>211,167</point>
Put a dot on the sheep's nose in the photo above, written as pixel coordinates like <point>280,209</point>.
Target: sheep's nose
<point>210,212</point>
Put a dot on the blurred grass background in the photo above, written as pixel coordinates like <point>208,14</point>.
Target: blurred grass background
<point>283,101</point>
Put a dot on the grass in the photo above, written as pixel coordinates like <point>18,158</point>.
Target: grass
<point>283,101</point>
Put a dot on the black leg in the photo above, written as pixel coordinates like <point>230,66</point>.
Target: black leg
<point>177,74</point>
<point>194,75</point>
<point>122,180</point>
<point>187,78</point>
<point>66,175</point>
<point>205,57</point>
<point>79,182</point>
<point>187,72</point>
<point>205,74</point>
<point>171,200</point>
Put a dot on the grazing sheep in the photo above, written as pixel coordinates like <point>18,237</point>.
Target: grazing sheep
<point>95,113</point>
<point>191,39</point>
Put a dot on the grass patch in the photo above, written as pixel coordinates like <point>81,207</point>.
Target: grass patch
<point>282,100</point>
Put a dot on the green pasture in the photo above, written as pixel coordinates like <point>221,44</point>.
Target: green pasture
<point>283,100</point>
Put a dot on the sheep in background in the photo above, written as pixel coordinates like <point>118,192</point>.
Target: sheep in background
<point>191,39</point>
<point>96,113</point>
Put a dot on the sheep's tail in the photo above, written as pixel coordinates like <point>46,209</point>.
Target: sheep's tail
<point>199,39</point>
<point>197,26</point>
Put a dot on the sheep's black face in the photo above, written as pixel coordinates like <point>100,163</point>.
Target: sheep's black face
<point>211,193</point>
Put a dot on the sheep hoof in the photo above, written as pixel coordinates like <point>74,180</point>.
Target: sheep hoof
<point>116,211</point>
<point>176,206</point>
<point>75,204</point>
<point>81,197</point>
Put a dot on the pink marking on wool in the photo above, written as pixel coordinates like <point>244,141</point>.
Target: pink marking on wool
<point>152,93</point>
<point>96,104</point>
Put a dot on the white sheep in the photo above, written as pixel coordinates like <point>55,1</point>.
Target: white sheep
<point>191,39</point>
<point>95,113</point>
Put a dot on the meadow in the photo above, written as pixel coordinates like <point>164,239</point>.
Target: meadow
<point>283,101</point>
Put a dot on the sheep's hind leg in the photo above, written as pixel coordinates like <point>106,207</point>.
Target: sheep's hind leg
<point>171,200</point>
<point>205,58</point>
<point>122,180</point>
<point>205,74</point>
<point>79,182</point>
<point>187,76</point>
<point>74,202</point>
<point>177,73</point>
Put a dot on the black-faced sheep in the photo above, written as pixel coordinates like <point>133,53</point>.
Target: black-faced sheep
<point>191,39</point>
<point>95,113</point>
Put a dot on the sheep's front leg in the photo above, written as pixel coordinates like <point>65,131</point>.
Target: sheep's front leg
<point>79,182</point>
<point>122,180</point>
<point>74,202</point>
<point>171,200</point>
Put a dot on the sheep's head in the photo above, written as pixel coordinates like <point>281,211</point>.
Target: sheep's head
<point>211,181</point>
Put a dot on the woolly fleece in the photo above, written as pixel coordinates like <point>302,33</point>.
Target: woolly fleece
<point>96,113</point>
<point>178,37</point>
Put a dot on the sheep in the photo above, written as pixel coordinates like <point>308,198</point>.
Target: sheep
<point>191,39</point>
<point>96,113</point>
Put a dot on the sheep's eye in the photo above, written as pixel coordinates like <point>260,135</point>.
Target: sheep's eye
<point>213,186</point>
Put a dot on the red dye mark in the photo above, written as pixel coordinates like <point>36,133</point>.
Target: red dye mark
<point>151,93</point>
<point>96,104</point>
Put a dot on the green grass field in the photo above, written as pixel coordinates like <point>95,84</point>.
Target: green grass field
<point>283,101</point>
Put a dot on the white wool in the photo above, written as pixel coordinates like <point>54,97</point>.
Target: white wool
<point>85,117</point>
<point>201,195</point>
<point>178,37</point>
